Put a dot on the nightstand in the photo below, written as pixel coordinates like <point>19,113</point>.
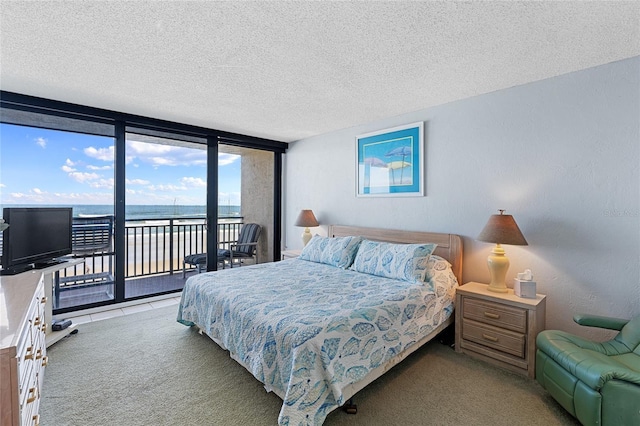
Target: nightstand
<point>499,328</point>
<point>290,254</point>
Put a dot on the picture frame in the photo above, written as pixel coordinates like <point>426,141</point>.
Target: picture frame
<point>390,162</point>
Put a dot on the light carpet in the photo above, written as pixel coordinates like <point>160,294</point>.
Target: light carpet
<point>147,369</point>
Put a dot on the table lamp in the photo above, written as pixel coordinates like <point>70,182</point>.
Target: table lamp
<point>306,219</point>
<point>500,229</point>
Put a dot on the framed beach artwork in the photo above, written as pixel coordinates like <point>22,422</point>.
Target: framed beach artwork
<point>390,162</point>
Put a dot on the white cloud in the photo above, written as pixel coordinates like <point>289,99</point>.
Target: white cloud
<point>226,159</point>
<point>81,177</point>
<point>91,167</point>
<point>41,142</point>
<point>165,155</point>
<point>42,197</point>
<point>144,149</point>
<point>137,182</point>
<point>103,154</point>
<point>33,196</point>
<point>162,161</point>
<point>102,183</point>
<point>69,166</point>
<point>166,188</point>
<point>194,182</point>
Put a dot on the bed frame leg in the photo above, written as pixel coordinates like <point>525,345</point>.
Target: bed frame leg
<point>350,407</point>
<point>448,336</point>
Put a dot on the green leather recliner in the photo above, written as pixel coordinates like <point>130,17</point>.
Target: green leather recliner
<point>597,382</point>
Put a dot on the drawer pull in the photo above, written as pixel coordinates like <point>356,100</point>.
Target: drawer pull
<point>29,353</point>
<point>44,327</point>
<point>45,361</point>
<point>36,420</point>
<point>490,338</point>
<point>39,354</point>
<point>44,300</point>
<point>32,395</point>
<point>37,321</point>
<point>491,315</point>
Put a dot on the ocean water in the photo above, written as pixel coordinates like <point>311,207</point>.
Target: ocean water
<point>141,212</point>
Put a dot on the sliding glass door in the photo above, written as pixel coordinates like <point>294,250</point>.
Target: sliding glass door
<point>52,168</point>
<point>166,184</point>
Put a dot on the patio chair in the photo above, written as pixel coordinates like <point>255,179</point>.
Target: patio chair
<point>244,248</point>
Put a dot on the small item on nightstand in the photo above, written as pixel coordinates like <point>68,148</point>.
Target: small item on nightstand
<point>524,286</point>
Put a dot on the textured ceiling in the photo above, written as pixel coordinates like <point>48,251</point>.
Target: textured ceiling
<point>290,70</point>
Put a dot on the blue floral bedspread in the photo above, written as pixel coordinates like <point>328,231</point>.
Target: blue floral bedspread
<point>307,330</point>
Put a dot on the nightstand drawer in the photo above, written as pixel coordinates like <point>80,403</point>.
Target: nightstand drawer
<point>499,315</point>
<point>493,337</point>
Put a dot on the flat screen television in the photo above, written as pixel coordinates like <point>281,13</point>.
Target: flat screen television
<point>36,237</point>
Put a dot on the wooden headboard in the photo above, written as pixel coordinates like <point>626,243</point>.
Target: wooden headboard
<point>449,245</point>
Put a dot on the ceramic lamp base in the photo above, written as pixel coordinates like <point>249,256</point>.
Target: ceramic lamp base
<point>498,265</point>
<point>306,236</point>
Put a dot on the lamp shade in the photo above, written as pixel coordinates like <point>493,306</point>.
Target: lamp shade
<point>306,219</point>
<point>502,229</point>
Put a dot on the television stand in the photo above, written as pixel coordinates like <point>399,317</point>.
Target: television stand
<point>17,269</point>
<point>47,263</point>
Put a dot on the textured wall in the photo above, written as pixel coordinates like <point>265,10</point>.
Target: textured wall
<point>257,197</point>
<point>562,155</point>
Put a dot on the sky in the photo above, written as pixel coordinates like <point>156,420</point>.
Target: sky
<point>39,166</point>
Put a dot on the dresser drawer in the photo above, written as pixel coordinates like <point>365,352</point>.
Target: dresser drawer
<point>498,315</point>
<point>27,347</point>
<point>496,338</point>
<point>29,407</point>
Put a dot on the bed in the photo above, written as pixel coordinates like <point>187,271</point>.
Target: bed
<point>317,329</point>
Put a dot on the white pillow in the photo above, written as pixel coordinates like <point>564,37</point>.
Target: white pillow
<point>406,262</point>
<point>439,276</point>
<point>338,251</point>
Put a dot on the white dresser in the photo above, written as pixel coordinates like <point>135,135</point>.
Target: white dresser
<point>23,351</point>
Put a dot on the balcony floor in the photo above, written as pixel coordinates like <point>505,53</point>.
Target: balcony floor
<point>134,287</point>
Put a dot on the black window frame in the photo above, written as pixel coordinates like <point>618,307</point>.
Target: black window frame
<point>38,112</point>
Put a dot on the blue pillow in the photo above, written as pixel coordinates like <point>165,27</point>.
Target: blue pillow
<point>338,251</point>
<point>407,262</point>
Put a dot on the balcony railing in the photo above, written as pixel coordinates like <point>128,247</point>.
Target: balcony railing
<point>158,246</point>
